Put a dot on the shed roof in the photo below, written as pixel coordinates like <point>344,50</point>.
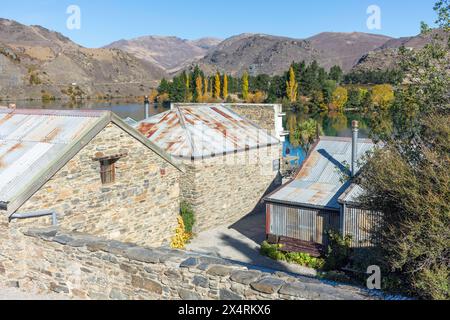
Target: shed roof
<point>195,132</point>
<point>319,182</point>
<point>35,144</point>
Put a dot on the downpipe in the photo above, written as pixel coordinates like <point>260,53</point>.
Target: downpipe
<point>36,214</point>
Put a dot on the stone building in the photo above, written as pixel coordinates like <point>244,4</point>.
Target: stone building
<point>90,172</point>
<point>230,162</point>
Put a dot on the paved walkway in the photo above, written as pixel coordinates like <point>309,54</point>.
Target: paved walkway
<point>241,243</point>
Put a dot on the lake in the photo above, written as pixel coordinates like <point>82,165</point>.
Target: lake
<point>333,124</point>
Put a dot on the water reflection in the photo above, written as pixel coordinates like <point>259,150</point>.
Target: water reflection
<point>123,108</point>
<point>334,124</point>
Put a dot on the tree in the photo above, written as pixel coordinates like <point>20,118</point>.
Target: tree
<point>164,86</point>
<point>188,94</point>
<point>339,98</point>
<point>382,96</point>
<point>199,89</point>
<point>217,86</point>
<point>306,133</point>
<point>292,86</point>
<point>225,86</point>
<point>336,74</point>
<point>245,86</point>
<point>205,89</point>
<point>408,180</point>
<point>354,99</point>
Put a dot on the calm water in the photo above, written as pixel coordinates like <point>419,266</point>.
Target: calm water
<point>123,108</point>
<point>333,124</point>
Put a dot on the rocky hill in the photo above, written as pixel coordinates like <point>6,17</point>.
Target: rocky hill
<point>168,53</point>
<point>387,55</point>
<point>262,53</point>
<point>35,62</point>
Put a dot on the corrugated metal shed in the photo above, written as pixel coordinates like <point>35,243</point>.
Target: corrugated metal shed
<point>197,132</point>
<point>319,183</point>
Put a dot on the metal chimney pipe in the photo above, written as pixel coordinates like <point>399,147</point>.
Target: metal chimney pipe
<point>355,131</point>
<point>147,105</point>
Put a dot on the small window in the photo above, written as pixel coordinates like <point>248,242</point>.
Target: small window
<point>108,166</point>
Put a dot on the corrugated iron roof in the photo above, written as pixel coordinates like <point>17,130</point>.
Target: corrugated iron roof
<point>35,144</point>
<point>31,139</point>
<point>319,182</point>
<point>191,131</point>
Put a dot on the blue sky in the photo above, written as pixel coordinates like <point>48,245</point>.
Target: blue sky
<point>104,21</point>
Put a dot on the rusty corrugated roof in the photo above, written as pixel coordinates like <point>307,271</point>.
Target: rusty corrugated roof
<point>191,131</point>
<point>35,144</point>
<point>320,182</point>
<point>31,139</point>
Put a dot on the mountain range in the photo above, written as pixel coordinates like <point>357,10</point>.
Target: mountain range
<point>35,61</point>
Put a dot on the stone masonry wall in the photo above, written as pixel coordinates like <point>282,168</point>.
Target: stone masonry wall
<point>262,115</point>
<point>140,207</point>
<point>86,267</point>
<point>224,189</point>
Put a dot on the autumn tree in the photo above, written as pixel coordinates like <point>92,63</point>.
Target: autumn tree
<point>217,86</point>
<point>339,98</point>
<point>245,87</point>
<point>292,86</point>
<point>199,88</point>
<point>382,96</point>
<point>225,86</point>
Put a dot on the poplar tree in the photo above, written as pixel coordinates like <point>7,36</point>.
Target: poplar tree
<point>199,88</point>
<point>217,86</point>
<point>292,86</point>
<point>225,86</point>
<point>245,86</point>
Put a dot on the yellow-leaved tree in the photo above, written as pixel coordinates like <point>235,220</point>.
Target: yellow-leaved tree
<point>205,89</point>
<point>292,86</point>
<point>245,86</point>
<point>225,86</point>
<point>199,88</point>
<point>339,98</point>
<point>382,96</point>
<point>217,86</point>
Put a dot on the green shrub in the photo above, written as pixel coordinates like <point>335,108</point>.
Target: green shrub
<point>188,216</point>
<point>338,252</point>
<point>274,252</point>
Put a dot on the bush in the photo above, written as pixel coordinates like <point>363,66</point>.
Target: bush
<point>338,252</point>
<point>274,252</point>
<point>188,217</point>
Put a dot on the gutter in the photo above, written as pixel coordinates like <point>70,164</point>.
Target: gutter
<point>35,214</point>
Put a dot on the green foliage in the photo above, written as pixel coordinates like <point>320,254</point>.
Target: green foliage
<point>393,77</point>
<point>275,252</point>
<point>306,134</point>
<point>338,251</point>
<point>188,216</point>
<point>409,181</point>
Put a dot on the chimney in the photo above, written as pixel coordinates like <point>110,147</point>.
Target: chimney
<point>355,131</point>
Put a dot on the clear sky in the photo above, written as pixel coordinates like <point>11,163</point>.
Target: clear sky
<point>105,21</point>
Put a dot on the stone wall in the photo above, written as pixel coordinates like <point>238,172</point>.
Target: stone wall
<point>224,189</point>
<point>86,267</point>
<point>140,207</point>
<point>263,115</point>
